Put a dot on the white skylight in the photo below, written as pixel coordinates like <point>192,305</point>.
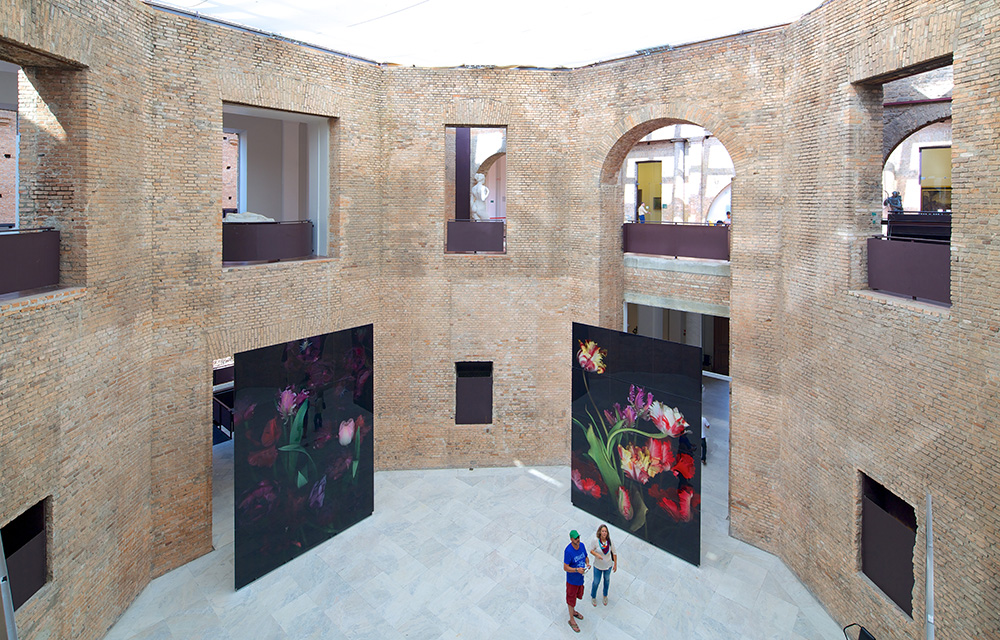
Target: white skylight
<point>448,33</point>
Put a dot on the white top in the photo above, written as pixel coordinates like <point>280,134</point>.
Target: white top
<point>704,425</point>
<point>601,563</point>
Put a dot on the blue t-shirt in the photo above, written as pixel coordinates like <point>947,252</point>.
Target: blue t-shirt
<point>577,559</point>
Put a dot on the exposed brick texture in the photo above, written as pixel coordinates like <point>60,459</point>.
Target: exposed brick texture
<point>106,384</point>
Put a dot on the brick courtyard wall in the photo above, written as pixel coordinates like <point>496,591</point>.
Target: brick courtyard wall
<point>74,364</point>
<point>109,379</point>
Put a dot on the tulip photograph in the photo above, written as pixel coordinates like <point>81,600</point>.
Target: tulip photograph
<point>633,462</point>
<point>304,463</point>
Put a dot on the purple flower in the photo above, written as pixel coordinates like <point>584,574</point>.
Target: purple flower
<point>258,502</point>
<point>318,493</point>
<point>339,466</point>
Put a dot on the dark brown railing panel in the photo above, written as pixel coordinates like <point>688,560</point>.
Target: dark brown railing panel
<point>29,259</point>
<point>266,241</point>
<point>677,240</point>
<point>918,225</point>
<point>469,235</point>
<point>915,269</point>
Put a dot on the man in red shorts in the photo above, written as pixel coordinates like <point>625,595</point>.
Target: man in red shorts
<point>575,564</point>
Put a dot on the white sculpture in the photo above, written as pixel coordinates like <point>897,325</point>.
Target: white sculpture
<point>478,199</point>
<point>247,216</point>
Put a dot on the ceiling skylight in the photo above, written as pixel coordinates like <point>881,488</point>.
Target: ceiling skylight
<point>447,33</point>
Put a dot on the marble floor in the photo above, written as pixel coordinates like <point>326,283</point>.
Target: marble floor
<point>478,554</point>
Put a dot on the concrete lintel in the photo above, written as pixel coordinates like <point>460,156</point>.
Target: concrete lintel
<point>663,302</point>
<point>719,268</point>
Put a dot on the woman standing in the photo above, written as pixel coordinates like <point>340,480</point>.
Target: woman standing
<point>605,561</point>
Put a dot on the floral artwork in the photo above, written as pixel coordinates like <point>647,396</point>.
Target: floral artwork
<point>303,446</point>
<point>634,451</point>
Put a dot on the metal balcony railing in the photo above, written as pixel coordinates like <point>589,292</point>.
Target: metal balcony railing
<point>266,241</point>
<point>677,239</point>
<point>29,259</point>
<point>469,236</point>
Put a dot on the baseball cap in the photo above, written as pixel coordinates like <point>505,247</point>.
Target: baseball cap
<point>574,534</point>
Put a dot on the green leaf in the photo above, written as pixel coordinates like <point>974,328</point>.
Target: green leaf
<point>638,509</point>
<point>293,447</point>
<point>608,470</point>
<point>301,480</point>
<point>295,436</point>
<point>354,469</point>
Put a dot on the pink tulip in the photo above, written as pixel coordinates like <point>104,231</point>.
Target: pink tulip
<point>346,432</point>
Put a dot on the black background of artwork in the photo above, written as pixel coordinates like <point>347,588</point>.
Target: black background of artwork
<point>270,532</point>
<point>672,372</point>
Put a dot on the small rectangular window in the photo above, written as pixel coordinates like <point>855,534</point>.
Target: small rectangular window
<point>888,534</point>
<point>474,393</point>
<point>24,543</point>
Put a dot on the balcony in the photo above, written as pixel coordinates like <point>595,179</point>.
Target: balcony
<point>244,242</point>
<point>677,239</point>
<point>914,257</point>
<point>469,236</point>
<point>910,268</point>
<point>29,259</point>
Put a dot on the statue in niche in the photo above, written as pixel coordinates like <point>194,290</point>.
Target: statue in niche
<point>478,199</point>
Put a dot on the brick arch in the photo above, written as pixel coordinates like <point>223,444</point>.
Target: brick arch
<point>620,139</point>
<point>913,121</point>
<point>484,168</point>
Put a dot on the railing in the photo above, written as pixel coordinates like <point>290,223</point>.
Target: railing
<point>467,236</point>
<point>29,259</point>
<point>918,225</point>
<point>677,239</point>
<point>266,241</point>
<point>914,268</point>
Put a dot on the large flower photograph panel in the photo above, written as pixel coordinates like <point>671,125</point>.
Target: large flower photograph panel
<point>634,439</point>
<point>304,460</point>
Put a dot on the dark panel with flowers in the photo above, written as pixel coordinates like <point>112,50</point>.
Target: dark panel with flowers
<point>303,446</point>
<point>636,436</point>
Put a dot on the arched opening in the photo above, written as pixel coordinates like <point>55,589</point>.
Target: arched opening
<point>919,170</point>
<point>683,175</point>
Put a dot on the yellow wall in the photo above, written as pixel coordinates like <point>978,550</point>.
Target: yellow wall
<point>649,179</point>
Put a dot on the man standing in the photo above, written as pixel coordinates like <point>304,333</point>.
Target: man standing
<point>575,564</point>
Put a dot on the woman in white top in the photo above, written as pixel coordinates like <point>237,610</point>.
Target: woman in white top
<point>605,561</point>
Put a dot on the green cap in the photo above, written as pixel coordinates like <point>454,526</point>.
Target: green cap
<point>574,534</point>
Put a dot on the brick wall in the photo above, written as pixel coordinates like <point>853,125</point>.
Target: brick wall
<point>110,380</point>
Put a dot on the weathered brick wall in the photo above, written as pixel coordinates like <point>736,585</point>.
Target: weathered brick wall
<point>111,382</point>
<point>74,365</point>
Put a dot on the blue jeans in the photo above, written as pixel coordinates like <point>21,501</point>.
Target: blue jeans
<point>598,574</point>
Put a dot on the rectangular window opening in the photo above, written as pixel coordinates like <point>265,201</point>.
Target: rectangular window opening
<point>476,189</point>
<point>473,393</point>
<point>275,168</point>
<point>24,545</point>
<point>888,535</point>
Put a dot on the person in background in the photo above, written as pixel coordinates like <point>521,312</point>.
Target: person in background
<point>605,562</point>
<point>575,564</point>
<point>704,443</point>
<point>642,211</point>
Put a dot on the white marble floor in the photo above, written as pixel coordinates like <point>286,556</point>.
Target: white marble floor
<point>478,554</point>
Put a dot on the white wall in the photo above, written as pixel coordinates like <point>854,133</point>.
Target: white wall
<point>264,141</point>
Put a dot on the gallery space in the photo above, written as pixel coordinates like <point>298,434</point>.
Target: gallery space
<point>476,553</point>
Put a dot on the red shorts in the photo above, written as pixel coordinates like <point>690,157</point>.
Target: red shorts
<point>574,592</point>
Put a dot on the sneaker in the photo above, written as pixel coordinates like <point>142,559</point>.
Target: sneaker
<point>593,601</point>
<point>605,601</point>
